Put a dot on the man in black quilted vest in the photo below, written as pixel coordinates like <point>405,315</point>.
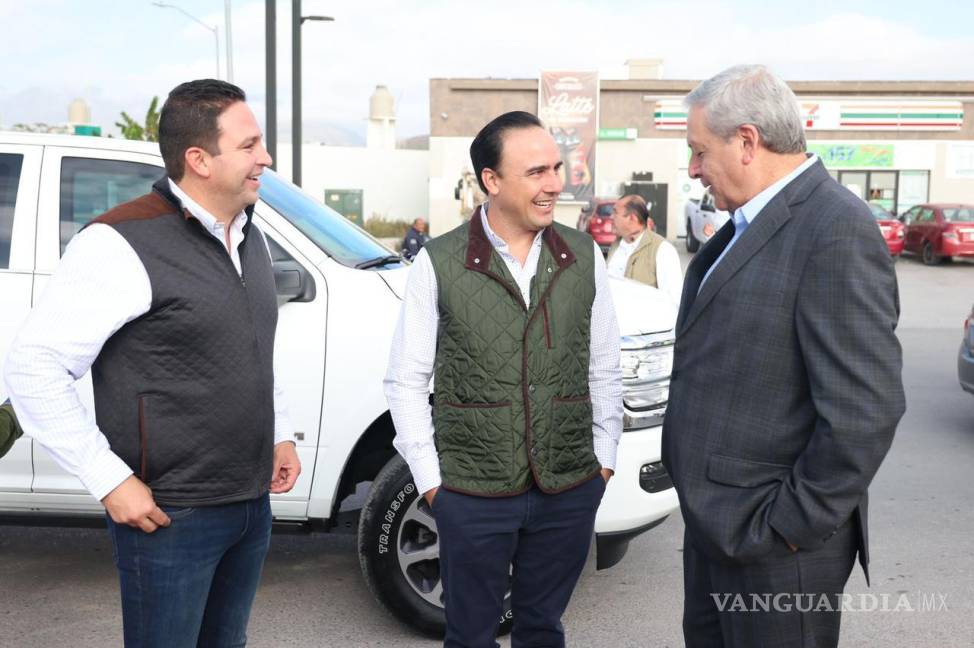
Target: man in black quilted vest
<point>512,313</point>
<point>170,301</point>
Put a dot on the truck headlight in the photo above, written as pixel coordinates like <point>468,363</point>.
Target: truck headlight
<point>647,361</point>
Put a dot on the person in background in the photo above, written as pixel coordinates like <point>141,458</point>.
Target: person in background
<point>640,253</point>
<point>415,239</point>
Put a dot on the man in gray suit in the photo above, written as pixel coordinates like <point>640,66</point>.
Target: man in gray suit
<point>786,385</point>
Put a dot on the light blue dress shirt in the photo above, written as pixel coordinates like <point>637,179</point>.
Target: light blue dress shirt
<point>746,213</point>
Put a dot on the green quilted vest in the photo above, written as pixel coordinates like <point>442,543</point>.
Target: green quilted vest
<point>511,402</point>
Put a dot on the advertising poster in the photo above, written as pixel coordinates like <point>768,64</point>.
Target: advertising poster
<point>568,104</point>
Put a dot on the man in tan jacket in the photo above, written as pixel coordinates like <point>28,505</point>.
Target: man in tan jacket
<point>640,253</point>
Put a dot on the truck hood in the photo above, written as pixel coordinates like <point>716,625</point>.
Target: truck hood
<point>395,278</point>
<point>641,309</point>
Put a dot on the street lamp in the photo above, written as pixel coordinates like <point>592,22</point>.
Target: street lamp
<point>296,21</point>
<point>214,29</point>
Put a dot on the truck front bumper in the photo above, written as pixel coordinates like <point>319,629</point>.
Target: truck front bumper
<point>639,496</point>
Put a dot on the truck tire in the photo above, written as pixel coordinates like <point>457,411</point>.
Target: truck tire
<point>692,243</point>
<point>399,552</point>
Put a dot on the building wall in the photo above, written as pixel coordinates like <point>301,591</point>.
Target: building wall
<point>394,182</point>
<point>460,107</point>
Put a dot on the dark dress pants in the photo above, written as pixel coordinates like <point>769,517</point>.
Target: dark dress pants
<point>533,543</point>
<point>776,602</point>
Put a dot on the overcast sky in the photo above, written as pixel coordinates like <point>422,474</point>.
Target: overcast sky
<point>117,55</point>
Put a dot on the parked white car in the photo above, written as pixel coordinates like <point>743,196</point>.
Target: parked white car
<point>339,292</point>
<point>703,220</point>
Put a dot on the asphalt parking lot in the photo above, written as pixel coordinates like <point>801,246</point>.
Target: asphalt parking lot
<point>58,586</point>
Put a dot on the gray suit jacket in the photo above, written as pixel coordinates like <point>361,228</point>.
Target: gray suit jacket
<point>786,386</point>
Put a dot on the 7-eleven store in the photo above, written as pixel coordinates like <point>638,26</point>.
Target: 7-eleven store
<point>898,143</point>
<point>891,151</point>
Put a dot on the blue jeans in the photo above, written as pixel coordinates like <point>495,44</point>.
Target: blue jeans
<point>192,583</point>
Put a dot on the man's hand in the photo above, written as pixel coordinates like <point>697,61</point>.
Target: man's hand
<point>430,494</point>
<point>607,474</point>
<point>131,503</point>
<point>287,467</point>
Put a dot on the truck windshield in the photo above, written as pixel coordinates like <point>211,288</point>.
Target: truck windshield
<point>337,236</point>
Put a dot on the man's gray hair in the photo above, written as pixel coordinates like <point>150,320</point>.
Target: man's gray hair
<point>751,94</point>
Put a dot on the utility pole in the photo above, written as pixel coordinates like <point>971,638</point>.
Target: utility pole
<point>296,20</point>
<point>226,6</point>
<point>270,36</point>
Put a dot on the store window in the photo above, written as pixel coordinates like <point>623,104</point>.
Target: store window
<point>914,189</point>
<point>894,191</point>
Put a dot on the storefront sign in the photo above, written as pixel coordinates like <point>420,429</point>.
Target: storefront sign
<point>568,104</point>
<point>833,115</point>
<point>848,156</point>
<point>960,160</point>
<point>670,115</point>
<point>617,133</point>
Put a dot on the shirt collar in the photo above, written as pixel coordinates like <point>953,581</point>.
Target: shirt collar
<point>750,210</point>
<point>208,220</point>
<point>500,244</point>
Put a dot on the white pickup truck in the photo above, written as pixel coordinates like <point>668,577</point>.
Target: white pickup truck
<point>703,220</point>
<point>339,293</point>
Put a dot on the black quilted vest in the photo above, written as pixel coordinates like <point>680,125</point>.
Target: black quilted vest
<point>185,393</point>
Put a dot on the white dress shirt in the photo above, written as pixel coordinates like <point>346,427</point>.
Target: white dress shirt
<point>99,286</point>
<point>407,381</point>
<point>669,272</point>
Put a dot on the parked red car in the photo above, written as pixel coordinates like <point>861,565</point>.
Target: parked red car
<point>597,221</point>
<point>940,231</point>
<point>893,230</point>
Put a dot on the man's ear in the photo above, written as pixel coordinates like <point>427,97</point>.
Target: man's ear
<point>491,179</point>
<point>197,160</point>
<point>749,138</point>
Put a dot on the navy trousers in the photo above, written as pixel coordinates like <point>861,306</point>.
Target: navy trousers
<point>533,544</point>
<point>192,583</point>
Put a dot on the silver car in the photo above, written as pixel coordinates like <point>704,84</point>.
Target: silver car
<point>965,357</point>
<point>703,220</point>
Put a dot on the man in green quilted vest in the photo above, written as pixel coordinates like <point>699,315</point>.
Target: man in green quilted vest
<point>512,313</point>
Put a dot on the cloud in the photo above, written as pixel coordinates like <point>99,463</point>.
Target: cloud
<point>118,56</point>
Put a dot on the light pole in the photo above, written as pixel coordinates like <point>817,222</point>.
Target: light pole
<point>214,29</point>
<point>270,56</point>
<point>296,20</point>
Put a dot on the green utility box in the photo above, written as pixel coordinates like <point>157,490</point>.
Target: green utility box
<point>347,202</point>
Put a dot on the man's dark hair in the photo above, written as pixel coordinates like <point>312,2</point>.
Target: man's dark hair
<point>636,205</point>
<point>189,118</point>
<point>485,152</point>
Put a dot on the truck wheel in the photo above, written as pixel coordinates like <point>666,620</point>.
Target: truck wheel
<point>692,243</point>
<point>400,553</point>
